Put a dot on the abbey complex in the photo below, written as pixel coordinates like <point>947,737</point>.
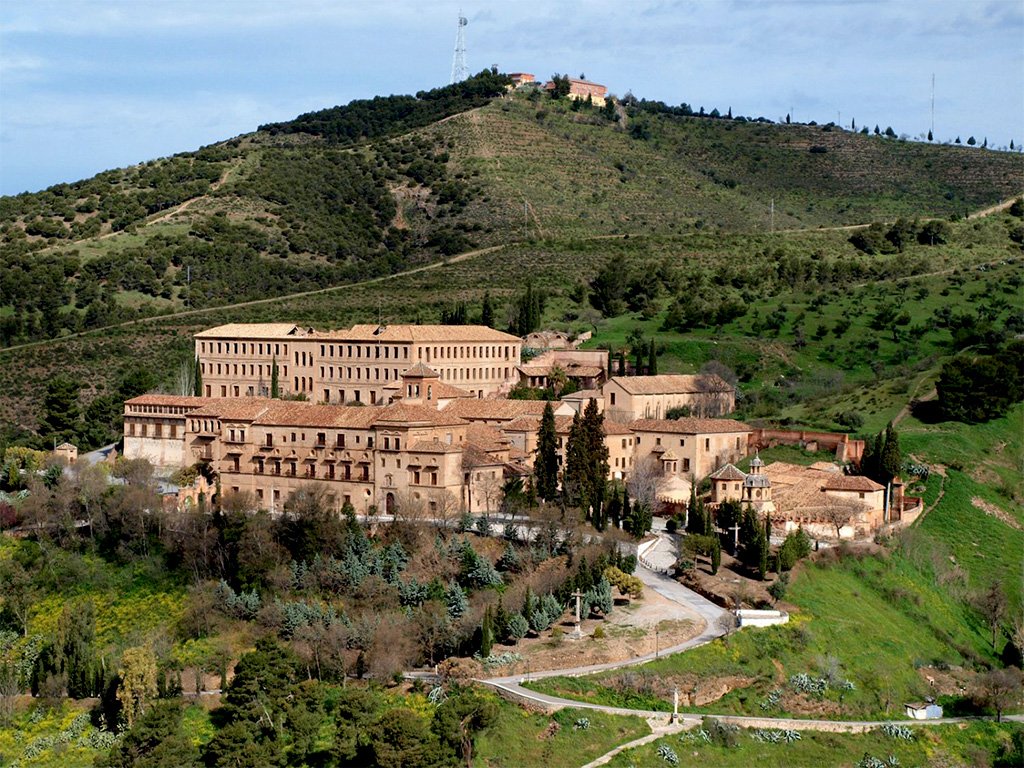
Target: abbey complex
<point>396,418</point>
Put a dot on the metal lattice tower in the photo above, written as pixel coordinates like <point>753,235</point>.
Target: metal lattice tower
<point>459,69</point>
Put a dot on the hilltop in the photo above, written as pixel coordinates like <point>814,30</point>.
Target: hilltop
<point>381,185</point>
<point>388,185</point>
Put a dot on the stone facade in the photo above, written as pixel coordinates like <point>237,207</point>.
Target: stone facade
<point>652,397</point>
<point>361,364</point>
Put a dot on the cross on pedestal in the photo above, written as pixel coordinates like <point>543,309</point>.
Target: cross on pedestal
<point>735,538</point>
<point>576,633</point>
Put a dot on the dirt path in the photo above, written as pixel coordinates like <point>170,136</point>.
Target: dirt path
<point>257,302</point>
<point>941,472</point>
<point>905,410</point>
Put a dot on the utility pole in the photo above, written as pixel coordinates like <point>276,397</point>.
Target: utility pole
<point>772,215</point>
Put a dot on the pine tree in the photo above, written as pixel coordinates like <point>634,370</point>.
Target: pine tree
<point>652,360</point>
<point>930,137</point>
<point>892,458</point>
<point>545,465</point>
<point>577,466</point>
<point>275,384</point>
<point>487,311</point>
<point>197,379</point>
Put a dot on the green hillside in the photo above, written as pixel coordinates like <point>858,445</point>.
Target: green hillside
<point>381,185</point>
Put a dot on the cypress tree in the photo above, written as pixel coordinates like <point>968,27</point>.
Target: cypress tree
<point>868,460</point>
<point>892,457</point>
<point>545,465</point>
<point>615,509</point>
<point>762,555</point>
<point>597,455</point>
<point>275,384</point>
<point>622,363</point>
<point>487,311</point>
<point>652,360</point>
<point>879,450</point>
<point>716,555</point>
<point>639,365</point>
<point>577,466</point>
<point>627,509</point>
<point>197,379</point>
<point>487,633</point>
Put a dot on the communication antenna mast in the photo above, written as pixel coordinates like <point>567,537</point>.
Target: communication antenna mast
<point>933,104</point>
<point>459,69</point>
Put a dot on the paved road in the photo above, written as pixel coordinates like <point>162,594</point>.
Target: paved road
<point>695,607</point>
<point>691,606</point>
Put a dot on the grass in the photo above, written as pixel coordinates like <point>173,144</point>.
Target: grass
<point>872,618</point>
<point>522,738</point>
<point>976,744</point>
<point>877,619</point>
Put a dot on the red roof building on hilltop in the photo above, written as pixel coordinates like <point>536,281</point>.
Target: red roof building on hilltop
<point>581,89</point>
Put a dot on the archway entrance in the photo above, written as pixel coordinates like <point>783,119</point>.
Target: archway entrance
<point>389,504</point>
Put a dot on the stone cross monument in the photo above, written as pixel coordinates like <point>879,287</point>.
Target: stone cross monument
<point>576,633</point>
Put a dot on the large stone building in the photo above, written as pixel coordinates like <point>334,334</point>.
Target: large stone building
<point>361,364</point>
<point>652,397</point>
<point>818,497</point>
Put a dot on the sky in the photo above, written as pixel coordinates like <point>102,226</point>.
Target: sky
<point>89,85</point>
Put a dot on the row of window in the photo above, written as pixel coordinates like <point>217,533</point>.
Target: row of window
<point>368,351</point>
<point>247,348</point>
<point>239,369</point>
<point>162,410</point>
<point>144,429</point>
<point>465,352</point>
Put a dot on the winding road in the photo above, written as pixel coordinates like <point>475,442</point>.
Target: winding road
<point>694,607</point>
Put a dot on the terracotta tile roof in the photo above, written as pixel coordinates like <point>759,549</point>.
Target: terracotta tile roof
<point>525,424</point>
<point>689,426</point>
<point>494,409</point>
<point>158,399</point>
<point>486,437</point>
<point>851,483</point>
<point>297,414</point>
<point>442,390</point>
<point>422,371</point>
<point>252,331</point>
<point>240,409</point>
<point>728,472</point>
<point>416,414</point>
<point>473,456</point>
<point>562,425</point>
<point>615,428</point>
<point>672,383</point>
<point>421,333</point>
<point>799,492</point>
